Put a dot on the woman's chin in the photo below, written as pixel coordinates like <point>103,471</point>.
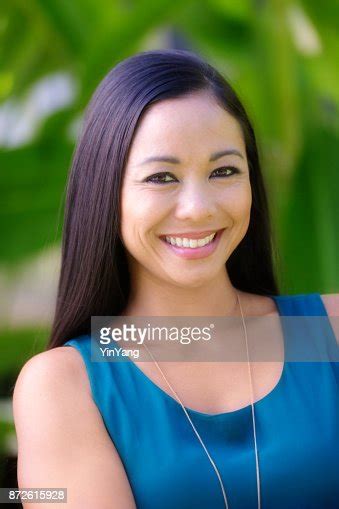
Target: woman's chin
<point>193,278</point>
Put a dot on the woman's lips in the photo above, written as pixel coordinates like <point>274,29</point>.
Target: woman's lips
<point>190,235</point>
<point>198,252</point>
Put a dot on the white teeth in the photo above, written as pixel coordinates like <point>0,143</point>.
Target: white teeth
<point>191,243</point>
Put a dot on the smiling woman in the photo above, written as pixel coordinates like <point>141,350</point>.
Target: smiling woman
<point>167,216</point>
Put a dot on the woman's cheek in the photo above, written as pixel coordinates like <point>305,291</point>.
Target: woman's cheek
<point>238,202</point>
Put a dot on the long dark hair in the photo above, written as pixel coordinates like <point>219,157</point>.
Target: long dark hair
<point>94,278</point>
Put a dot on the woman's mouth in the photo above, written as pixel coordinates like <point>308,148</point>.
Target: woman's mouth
<point>193,248</point>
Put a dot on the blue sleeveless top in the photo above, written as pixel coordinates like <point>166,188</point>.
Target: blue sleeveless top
<point>297,428</point>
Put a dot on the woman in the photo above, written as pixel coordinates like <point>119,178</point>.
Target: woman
<point>167,215</point>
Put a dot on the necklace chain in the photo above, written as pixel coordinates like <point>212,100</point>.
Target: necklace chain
<point>196,432</point>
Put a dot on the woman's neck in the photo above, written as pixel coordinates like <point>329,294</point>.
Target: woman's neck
<point>151,297</point>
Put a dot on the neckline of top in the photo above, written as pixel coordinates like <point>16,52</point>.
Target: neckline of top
<point>245,409</point>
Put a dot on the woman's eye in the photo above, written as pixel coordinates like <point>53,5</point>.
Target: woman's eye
<point>223,172</point>
<point>159,178</point>
<point>166,178</point>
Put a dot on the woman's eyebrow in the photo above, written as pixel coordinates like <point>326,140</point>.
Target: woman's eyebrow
<point>175,160</point>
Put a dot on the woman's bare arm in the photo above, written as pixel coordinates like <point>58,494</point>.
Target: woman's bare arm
<point>331,303</point>
<point>62,440</point>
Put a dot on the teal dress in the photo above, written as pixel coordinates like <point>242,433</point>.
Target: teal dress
<point>297,427</point>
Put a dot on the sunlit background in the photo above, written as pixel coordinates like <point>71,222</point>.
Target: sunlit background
<point>279,55</point>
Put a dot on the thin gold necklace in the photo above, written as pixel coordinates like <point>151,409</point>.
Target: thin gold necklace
<point>196,432</point>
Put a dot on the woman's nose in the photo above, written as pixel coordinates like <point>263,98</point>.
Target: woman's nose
<point>196,203</point>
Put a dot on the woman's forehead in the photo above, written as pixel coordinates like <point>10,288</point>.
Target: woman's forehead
<point>176,126</point>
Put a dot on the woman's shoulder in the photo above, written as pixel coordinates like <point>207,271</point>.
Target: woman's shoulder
<point>331,303</point>
<point>265,304</point>
<point>48,385</point>
<point>58,370</point>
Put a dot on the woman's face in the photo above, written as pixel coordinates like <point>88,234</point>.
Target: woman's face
<point>188,193</point>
